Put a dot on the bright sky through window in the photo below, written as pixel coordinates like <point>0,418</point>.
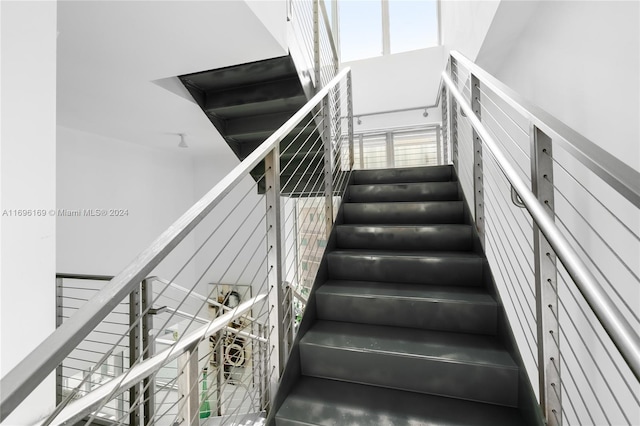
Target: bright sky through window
<point>413,24</point>
<point>360,29</point>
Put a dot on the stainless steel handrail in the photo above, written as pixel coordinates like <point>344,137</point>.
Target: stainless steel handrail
<point>34,368</point>
<point>191,293</point>
<point>85,405</point>
<point>84,277</point>
<point>617,327</point>
<point>393,111</point>
<point>399,129</point>
<point>616,173</point>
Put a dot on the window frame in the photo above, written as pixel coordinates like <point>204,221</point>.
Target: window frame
<point>385,23</point>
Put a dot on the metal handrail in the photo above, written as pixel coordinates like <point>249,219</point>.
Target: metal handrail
<point>393,111</point>
<point>616,173</point>
<point>90,402</point>
<point>34,368</point>
<point>84,277</point>
<point>193,294</point>
<point>399,129</point>
<point>617,327</point>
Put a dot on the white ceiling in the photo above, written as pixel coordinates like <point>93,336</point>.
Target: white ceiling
<point>117,62</point>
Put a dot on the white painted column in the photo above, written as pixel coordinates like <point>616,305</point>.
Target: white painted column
<point>27,190</point>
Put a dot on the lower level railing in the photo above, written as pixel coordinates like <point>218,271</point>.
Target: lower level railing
<point>408,146</point>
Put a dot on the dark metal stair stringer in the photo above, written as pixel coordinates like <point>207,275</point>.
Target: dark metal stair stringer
<point>248,102</point>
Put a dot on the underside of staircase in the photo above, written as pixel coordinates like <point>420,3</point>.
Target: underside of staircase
<point>403,325</point>
<point>247,103</point>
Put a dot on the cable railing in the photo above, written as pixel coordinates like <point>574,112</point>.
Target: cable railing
<point>407,146</point>
<point>209,341</point>
<point>72,291</point>
<point>559,220</point>
<point>313,45</point>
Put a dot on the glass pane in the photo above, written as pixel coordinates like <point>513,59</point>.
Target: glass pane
<point>412,149</point>
<point>374,151</point>
<point>360,29</point>
<point>413,24</point>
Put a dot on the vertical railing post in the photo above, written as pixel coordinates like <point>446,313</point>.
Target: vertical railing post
<point>546,283</point>
<point>391,161</point>
<point>445,126</point>
<point>328,164</point>
<point>478,179</point>
<point>361,146</point>
<point>188,389</point>
<point>264,368</point>
<point>135,350</point>
<point>453,114</point>
<point>118,369</point>
<point>350,119</point>
<point>148,349</point>
<point>316,43</point>
<point>59,319</point>
<point>439,159</point>
<point>274,258</point>
<point>219,348</point>
<point>287,317</point>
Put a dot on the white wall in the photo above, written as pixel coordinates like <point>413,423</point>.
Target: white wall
<point>230,257</point>
<point>580,61</point>
<point>273,14</point>
<point>402,80</point>
<point>464,24</point>
<point>153,187</point>
<point>28,151</point>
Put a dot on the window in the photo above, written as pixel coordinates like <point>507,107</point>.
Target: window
<point>322,243</point>
<point>370,28</point>
<point>360,29</point>
<point>305,266</point>
<point>304,242</point>
<point>415,148</point>
<point>412,25</point>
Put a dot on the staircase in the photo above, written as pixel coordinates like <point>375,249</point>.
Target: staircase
<point>248,102</point>
<point>406,328</point>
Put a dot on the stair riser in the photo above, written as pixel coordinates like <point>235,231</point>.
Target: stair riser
<point>482,383</point>
<point>413,313</point>
<point>417,174</point>
<point>424,270</point>
<point>452,238</point>
<point>431,191</point>
<point>404,213</point>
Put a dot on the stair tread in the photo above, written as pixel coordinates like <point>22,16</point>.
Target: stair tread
<point>406,203</point>
<point>402,237</point>
<point>409,342</point>
<point>406,254</point>
<point>404,175</point>
<point>404,212</point>
<point>410,191</point>
<point>315,401</point>
<point>424,226</point>
<point>369,289</point>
